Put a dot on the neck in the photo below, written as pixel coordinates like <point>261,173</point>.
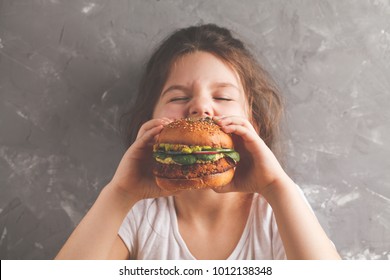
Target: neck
<point>207,205</point>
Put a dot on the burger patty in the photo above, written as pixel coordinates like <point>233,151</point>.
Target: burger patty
<point>175,171</point>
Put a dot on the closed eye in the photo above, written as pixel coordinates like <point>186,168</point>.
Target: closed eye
<point>179,99</point>
<point>223,98</point>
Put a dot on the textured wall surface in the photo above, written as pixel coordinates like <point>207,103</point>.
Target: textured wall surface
<point>68,69</point>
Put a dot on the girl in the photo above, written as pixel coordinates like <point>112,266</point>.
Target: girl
<point>197,72</point>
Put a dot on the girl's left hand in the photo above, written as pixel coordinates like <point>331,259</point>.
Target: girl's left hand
<point>258,167</point>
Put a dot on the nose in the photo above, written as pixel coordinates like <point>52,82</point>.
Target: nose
<point>201,107</point>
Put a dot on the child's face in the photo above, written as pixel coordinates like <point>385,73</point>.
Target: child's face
<point>201,85</point>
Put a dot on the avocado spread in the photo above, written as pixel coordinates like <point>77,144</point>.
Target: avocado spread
<point>185,155</point>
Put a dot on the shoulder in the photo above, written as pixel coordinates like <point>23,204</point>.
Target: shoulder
<point>146,215</point>
<point>149,208</point>
<point>147,228</point>
<point>151,204</point>
<point>260,207</point>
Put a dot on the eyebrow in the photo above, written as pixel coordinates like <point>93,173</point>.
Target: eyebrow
<point>215,85</point>
<point>175,87</point>
<point>224,85</point>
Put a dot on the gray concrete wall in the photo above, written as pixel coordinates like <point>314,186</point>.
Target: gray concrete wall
<point>69,68</point>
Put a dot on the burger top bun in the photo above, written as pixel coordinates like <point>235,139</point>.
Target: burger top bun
<point>200,132</point>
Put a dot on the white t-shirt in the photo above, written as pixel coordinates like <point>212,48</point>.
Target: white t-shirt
<point>150,231</point>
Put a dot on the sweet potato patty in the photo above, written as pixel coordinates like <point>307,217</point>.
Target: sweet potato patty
<point>175,171</point>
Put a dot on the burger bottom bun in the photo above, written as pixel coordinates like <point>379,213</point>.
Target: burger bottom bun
<point>210,181</point>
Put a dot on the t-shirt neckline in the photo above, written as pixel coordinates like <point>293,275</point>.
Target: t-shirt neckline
<point>183,245</point>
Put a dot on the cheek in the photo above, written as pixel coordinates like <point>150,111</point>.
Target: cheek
<point>236,109</point>
<point>245,109</point>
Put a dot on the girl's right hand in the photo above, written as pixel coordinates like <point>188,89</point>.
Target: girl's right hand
<point>133,175</point>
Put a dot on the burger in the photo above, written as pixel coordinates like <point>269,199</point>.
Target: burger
<point>193,154</point>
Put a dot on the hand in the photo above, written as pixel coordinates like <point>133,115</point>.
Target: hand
<point>258,167</point>
<point>133,175</point>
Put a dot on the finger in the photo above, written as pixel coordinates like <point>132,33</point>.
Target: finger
<point>143,141</point>
<point>224,121</point>
<point>151,124</point>
<point>244,132</point>
<point>229,119</point>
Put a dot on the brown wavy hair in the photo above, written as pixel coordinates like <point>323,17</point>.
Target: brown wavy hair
<point>262,94</point>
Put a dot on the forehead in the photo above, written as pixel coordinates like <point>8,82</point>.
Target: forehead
<point>204,66</point>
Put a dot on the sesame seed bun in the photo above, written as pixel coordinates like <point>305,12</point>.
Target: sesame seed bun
<point>200,132</point>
